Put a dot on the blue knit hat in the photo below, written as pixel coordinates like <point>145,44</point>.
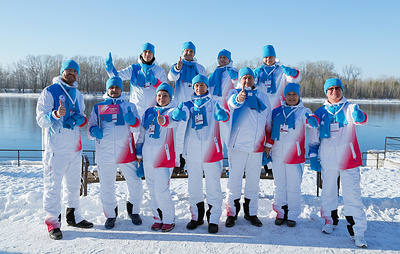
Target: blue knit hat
<point>148,46</point>
<point>69,64</point>
<point>165,87</point>
<point>114,81</point>
<point>245,71</point>
<point>189,45</point>
<point>332,82</point>
<point>200,78</point>
<point>269,50</point>
<point>226,53</point>
<point>292,87</point>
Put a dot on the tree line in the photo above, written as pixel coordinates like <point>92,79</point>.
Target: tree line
<point>33,73</point>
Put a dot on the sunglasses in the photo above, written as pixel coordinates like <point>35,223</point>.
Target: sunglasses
<point>334,88</point>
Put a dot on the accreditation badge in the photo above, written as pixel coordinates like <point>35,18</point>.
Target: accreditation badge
<point>198,119</point>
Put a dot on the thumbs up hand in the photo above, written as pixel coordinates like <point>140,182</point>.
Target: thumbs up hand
<point>109,62</point>
<point>160,119</point>
<point>311,120</point>
<point>61,110</point>
<point>241,96</point>
<point>220,114</point>
<point>358,115</point>
<point>178,114</point>
<point>179,64</point>
<point>129,117</point>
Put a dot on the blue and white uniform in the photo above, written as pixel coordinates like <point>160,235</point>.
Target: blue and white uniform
<point>288,156</point>
<point>222,81</point>
<point>336,143</point>
<point>156,145</point>
<point>249,133</point>
<point>203,153</point>
<point>62,148</point>
<point>116,149</point>
<point>142,86</point>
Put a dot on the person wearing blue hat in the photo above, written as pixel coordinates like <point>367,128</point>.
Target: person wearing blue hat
<point>248,138</point>
<point>272,78</point>
<point>109,124</point>
<point>222,80</point>
<point>156,147</point>
<point>289,122</point>
<point>335,141</point>
<point>144,77</point>
<point>184,71</point>
<point>182,74</point>
<point>203,152</point>
<point>60,113</point>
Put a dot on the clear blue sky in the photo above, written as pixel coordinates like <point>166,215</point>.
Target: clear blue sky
<point>362,33</point>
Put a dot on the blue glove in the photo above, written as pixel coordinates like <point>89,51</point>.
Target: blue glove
<point>289,71</point>
<point>96,132</point>
<point>232,73</point>
<point>109,62</point>
<point>358,115</point>
<point>314,164</point>
<point>129,117</point>
<point>178,114</point>
<point>140,171</point>
<point>312,121</point>
<point>220,114</point>
<point>69,123</point>
<point>79,119</point>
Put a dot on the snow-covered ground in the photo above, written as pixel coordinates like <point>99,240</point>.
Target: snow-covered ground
<point>22,229</point>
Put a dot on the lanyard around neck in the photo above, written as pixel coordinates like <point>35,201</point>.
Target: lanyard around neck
<point>334,114</point>
<point>69,96</point>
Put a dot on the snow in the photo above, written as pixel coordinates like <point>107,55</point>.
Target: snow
<point>22,229</point>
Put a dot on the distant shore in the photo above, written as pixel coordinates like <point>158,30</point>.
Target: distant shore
<point>306,100</point>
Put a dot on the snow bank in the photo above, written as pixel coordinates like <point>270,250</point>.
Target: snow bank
<point>22,229</point>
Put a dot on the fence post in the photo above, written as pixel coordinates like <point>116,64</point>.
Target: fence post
<point>18,158</point>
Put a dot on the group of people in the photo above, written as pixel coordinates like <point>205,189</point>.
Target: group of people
<point>257,116</point>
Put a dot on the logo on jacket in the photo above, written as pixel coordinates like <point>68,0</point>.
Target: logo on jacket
<point>61,98</point>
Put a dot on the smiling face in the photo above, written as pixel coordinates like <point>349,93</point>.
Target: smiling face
<point>114,91</point>
<point>200,88</point>
<point>147,55</point>
<point>163,98</point>
<point>223,60</point>
<point>269,60</point>
<point>247,81</point>
<point>334,94</point>
<point>292,99</point>
<point>188,54</point>
<point>69,76</point>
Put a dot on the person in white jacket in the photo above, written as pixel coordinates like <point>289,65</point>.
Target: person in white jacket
<point>289,122</point>
<point>60,113</point>
<point>156,147</point>
<point>182,74</point>
<point>335,141</point>
<point>272,78</point>
<point>110,123</point>
<point>249,137</point>
<point>222,81</point>
<point>144,77</point>
<point>203,153</point>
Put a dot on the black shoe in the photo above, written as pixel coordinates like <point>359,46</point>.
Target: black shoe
<point>136,219</point>
<point>279,221</point>
<point>254,220</point>
<point>212,228</point>
<point>230,221</point>
<point>83,224</point>
<point>193,224</point>
<point>291,223</point>
<point>55,234</point>
<point>110,223</point>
